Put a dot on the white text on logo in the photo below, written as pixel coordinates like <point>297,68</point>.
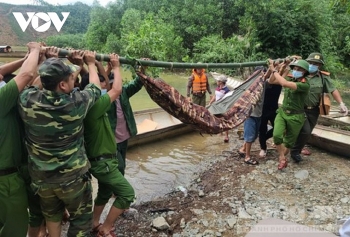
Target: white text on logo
<point>46,17</point>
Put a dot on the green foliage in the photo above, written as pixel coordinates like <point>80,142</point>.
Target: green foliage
<point>283,27</point>
<point>152,38</point>
<point>104,21</point>
<point>79,17</point>
<point>215,49</point>
<point>75,41</point>
<point>193,20</point>
<point>112,44</point>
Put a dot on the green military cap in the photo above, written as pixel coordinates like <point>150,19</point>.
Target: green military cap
<point>55,68</point>
<point>315,57</point>
<point>300,63</point>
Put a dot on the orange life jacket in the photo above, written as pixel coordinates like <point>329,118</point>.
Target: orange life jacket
<point>199,82</point>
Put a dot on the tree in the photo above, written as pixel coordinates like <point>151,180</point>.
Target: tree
<point>283,27</point>
<point>152,38</point>
<point>104,21</point>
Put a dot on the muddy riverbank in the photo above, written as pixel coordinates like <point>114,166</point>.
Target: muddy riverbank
<point>226,197</point>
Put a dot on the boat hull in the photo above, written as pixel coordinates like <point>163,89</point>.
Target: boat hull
<point>331,139</point>
<point>156,124</point>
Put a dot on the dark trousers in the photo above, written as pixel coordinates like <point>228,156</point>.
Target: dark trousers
<point>121,155</point>
<point>264,135</point>
<point>306,130</point>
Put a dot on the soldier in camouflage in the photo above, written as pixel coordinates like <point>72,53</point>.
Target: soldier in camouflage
<point>58,165</point>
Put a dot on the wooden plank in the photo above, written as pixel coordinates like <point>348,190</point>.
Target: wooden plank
<point>331,139</point>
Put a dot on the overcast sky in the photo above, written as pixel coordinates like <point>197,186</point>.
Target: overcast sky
<point>54,2</point>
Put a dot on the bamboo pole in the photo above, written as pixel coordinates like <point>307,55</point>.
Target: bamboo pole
<point>152,63</point>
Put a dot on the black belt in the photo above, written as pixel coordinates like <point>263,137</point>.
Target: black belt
<point>198,93</point>
<point>311,107</point>
<point>8,171</point>
<point>291,111</point>
<point>103,157</point>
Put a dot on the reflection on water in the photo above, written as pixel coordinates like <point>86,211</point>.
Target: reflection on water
<point>155,169</point>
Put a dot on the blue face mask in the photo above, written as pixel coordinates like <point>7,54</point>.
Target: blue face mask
<point>297,74</point>
<point>103,91</point>
<point>313,68</point>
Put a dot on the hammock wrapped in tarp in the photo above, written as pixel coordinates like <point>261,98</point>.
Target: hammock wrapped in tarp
<point>199,117</point>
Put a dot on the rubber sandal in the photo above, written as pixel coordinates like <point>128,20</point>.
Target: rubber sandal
<point>282,164</point>
<point>251,162</point>
<point>305,152</point>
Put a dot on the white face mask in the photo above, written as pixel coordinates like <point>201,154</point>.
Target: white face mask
<point>2,84</point>
<point>103,91</point>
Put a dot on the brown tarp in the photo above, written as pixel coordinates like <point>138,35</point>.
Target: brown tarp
<point>200,117</point>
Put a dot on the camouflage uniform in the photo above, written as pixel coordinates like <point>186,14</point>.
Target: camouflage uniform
<point>101,150</point>
<point>58,164</point>
<point>13,197</point>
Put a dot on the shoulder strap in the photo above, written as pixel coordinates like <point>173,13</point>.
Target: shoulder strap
<point>325,73</point>
<point>323,91</point>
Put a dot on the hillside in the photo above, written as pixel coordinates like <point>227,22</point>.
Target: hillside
<point>12,34</point>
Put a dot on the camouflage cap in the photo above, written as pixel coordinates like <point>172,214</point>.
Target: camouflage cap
<point>315,57</point>
<point>55,68</point>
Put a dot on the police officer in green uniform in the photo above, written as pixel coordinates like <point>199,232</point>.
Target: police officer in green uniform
<point>319,83</point>
<point>290,116</point>
<point>101,150</point>
<point>13,197</point>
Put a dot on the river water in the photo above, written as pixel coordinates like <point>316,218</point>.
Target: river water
<point>157,168</point>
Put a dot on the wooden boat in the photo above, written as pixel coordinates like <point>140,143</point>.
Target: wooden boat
<point>332,134</point>
<point>156,124</point>
<point>331,139</point>
<point>13,54</point>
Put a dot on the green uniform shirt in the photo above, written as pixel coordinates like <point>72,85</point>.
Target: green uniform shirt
<point>99,138</point>
<point>316,89</point>
<point>54,132</point>
<point>294,99</point>
<point>11,146</point>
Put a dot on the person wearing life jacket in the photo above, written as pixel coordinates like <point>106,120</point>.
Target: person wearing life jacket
<point>198,85</point>
<point>290,116</point>
<point>320,83</point>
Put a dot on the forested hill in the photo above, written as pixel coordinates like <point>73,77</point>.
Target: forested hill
<point>12,34</point>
